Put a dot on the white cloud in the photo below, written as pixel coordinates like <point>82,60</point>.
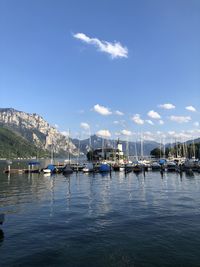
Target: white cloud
<point>154,115</point>
<point>149,136</point>
<point>81,111</point>
<point>180,119</point>
<point>171,133</point>
<point>116,122</point>
<point>116,50</point>
<point>150,122</point>
<point>117,112</point>
<point>136,118</point>
<point>102,110</point>
<point>183,135</point>
<point>196,124</point>
<point>191,108</point>
<point>126,132</point>
<point>56,126</point>
<point>103,133</point>
<point>85,125</point>
<point>65,133</point>
<point>161,122</point>
<point>167,106</point>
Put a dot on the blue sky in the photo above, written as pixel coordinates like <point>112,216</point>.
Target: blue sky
<point>47,68</point>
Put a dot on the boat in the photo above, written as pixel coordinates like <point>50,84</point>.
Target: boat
<point>192,164</point>
<point>128,168</point>
<point>46,170</point>
<point>67,169</point>
<point>155,166</point>
<point>137,168</point>
<point>88,168</point>
<point>49,169</point>
<point>118,167</point>
<point>171,166</point>
<point>104,167</point>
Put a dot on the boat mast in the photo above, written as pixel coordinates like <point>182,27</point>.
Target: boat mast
<point>193,148</point>
<point>142,153</point>
<point>127,149</point>
<point>52,151</point>
<point>69,158</point>
<point>136,155</point>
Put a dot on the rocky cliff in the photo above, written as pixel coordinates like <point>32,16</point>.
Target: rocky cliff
<point>36,130</point>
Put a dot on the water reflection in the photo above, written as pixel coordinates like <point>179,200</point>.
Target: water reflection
<point>98,215</point>
<point>1,237</point>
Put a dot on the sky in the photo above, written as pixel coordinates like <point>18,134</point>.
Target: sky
<point>112,67</point>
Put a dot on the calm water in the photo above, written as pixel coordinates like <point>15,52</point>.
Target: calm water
<point>95,220</point>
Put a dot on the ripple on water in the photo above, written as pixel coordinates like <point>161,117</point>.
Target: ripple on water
<point>95,220</point>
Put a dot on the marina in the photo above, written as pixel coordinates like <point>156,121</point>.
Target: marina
<point>170,165</point>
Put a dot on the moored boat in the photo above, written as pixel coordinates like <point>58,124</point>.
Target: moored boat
<point>171,166</point>
<point>155,166</point>
<point>88,168</point>
<point>67,169</point>
<point>104,167</point>
<point>49,169</point>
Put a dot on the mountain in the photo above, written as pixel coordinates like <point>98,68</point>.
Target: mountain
<point>14,146</point>
<point>96,142</point>
<point>36,131</point>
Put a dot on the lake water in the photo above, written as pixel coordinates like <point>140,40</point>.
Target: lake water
<point>100,220</point>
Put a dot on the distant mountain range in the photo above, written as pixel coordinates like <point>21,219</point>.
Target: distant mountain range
<point>131,148</point>
<point>31,130</point>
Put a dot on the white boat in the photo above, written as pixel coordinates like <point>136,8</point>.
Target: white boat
<point>155,166</point>
<point>89,167</point>
<point>171,166</point>
<point>46,171</point>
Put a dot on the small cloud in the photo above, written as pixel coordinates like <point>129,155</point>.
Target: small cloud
<point>137,119</point>
<point>85,125</point>
<point>103,133</point>
<point>167,106</point>
<point>154,115</point>
<point>116,122</point>
<point>115,50</point>
<point>191,108</point>
<point>102,110</point>
<point>171,133</point>
<point>161,122</point>
<point>180,119</point>
<point>56,126</point>
<point>149,136</point>
<point>150,122</point>
<point>126,132</point>
<point>117,112</point>
<point>81,111</point>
